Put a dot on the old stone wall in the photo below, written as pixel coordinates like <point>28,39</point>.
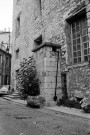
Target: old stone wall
<point>24,42</point>
<point>79,80</point>
<point>48,20</point>
<point>46,60</point>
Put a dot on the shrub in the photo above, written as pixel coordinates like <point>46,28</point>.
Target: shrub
<point>72,103</point>
<point>61,101</point>
<point>27,80</point>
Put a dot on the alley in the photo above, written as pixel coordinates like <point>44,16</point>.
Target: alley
<point>18,119</point>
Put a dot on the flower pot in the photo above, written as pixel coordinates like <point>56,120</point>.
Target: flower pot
<point>35,101</point>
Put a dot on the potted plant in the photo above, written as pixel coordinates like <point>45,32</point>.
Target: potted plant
<point>28,82</point>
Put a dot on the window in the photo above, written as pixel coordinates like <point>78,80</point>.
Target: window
<point>7,61</point>
<point>38,41</point>
<point>17,26</point>
<point>0,58</point>
<point>6,80</point>
<point>80,44</point>
<point>17,53</point>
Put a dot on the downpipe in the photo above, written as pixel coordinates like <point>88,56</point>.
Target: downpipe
<point>55,96</point>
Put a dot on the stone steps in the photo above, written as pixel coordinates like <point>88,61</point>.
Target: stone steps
<point>15,95</point>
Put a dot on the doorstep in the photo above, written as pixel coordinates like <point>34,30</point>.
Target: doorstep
<point>71,111</point>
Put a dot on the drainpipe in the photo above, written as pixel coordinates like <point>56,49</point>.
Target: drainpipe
<point>55,96</point>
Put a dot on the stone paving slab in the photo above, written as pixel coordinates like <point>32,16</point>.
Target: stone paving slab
<point>67,110</point>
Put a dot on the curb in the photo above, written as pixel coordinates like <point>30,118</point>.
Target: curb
<point>65,110</point>
<point>70,111</point>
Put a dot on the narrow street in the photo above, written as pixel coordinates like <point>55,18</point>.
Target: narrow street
<point>18,119</point>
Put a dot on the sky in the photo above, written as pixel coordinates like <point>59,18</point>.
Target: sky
<point>6,13</point>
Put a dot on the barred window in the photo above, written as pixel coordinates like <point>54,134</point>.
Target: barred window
<point>80,41</point>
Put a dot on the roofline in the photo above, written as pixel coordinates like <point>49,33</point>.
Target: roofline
<point>5,32</point>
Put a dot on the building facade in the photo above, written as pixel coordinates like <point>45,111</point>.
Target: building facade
<point>57,33</point>
<point>5,40</point>
<point>5,67</point>
<point>5,58</point>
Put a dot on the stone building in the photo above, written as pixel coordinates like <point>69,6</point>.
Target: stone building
<point>57,33</point>
<point>5,57</point>
<point>5,67</point>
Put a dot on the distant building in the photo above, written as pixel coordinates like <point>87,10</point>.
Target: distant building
<point>5,58</point>
<point>6,40</point>
<point>43,27</point>
<point>5,67</point>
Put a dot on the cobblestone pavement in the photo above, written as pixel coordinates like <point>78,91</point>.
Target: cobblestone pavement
<point>18,119</point>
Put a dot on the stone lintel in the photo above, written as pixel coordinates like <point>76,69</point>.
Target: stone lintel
<point>77,12</point>
<point>46,44</point>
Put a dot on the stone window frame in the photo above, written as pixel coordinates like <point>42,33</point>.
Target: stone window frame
<point>78,15</point>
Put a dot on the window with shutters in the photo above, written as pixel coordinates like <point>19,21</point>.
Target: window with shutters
<point>80,41</point>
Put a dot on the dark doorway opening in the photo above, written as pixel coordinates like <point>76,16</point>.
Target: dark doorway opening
<point>64,84</point>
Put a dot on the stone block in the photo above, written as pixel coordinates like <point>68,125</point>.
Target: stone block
<point>51,103</point>
<point>47,85</point>
<point>52,73</point>
<point>88,15</point>
<point>48,49</point>
<point>48,64</point>
<point>88,8</point>
<point>49,69</point>
<point>48,54</point>
<point>53,85</point>
<point>53,63</point>
<point>49,79</point>
<point>59,85</point>
<point>88,22</point>
<point>49,91</point>
<point>53,59</point>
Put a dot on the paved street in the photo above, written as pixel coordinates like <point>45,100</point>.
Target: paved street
<point>18,119</point>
